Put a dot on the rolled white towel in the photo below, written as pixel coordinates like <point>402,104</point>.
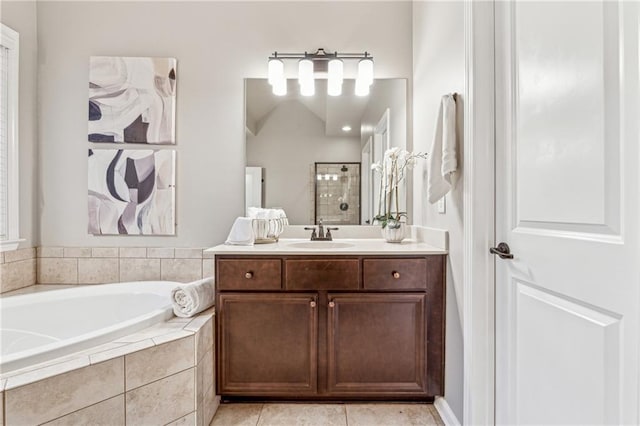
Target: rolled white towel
<point>192,298</point>
<point>260,213</point>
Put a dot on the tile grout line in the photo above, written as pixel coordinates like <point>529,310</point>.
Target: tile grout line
<point>79,409</point>
<point>346,414</point>
<point>259,415</point>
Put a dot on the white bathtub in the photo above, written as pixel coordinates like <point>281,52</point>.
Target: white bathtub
<point>37,327</point>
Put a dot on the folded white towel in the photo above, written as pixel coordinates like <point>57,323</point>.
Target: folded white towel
<point>443,163</point>
<point>189,299</point>
<point>241,233</point>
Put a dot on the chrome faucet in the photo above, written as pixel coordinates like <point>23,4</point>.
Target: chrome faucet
<point>320,235</point>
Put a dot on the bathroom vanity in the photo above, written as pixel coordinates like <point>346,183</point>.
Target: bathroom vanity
<point>348,320</point>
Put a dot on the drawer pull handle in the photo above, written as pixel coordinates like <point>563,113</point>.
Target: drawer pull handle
<point>312,303</point>
<point>332,304</point>
<point>395,274</point>
<point>248,275</point>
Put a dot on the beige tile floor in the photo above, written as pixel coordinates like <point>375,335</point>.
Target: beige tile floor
<point>326,415</point>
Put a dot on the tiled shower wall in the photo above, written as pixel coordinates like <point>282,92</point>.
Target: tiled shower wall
<point>17,269</point>
<point>100,265</point>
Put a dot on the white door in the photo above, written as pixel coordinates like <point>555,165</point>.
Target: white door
<point>567,189</point>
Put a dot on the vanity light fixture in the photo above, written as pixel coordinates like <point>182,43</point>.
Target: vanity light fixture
<point>276,77</point>
<point>321,63</point>
<point>346,128</point>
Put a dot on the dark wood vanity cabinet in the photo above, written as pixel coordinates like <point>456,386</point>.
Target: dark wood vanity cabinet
<point>376,344</point>
<point>330,328</point>
<point>268,343</point>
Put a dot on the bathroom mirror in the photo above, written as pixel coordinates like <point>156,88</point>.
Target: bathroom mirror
<point>287,135</point>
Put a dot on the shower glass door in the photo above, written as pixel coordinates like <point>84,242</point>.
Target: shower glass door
<point>337,193</point>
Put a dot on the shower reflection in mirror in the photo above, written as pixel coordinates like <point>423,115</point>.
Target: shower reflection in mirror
<point>337,193</point>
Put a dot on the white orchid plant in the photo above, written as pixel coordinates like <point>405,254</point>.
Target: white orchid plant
<point>392,170</point>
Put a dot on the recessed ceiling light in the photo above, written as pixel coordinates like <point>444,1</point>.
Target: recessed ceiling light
<point>346,128</point>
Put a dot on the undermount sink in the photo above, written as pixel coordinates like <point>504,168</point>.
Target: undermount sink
<point>321,245</point>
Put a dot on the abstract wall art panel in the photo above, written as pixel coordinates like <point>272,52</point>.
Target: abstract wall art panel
<point>131,192</point>
<point>132,100</point>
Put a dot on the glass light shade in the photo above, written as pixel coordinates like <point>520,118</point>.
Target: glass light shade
<point>362,88</point>
<point>365,70</point>
<point>336,75</point>
<point>308,88</point>
<point>334,88</point>
<point>305,72</point>
<point>276,71</point>
<point>280,87</point>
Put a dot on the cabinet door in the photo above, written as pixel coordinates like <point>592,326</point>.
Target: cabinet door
<point>267,344</point>
<point>376,344</point>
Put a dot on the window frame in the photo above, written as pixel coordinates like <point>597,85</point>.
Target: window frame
<point>10,39</point>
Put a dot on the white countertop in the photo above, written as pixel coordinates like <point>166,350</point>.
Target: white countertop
<point>337,247</point>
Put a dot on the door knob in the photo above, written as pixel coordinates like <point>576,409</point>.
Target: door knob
<point>502,250</point>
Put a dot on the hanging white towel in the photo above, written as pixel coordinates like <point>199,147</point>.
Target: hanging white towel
<point>241,233</point>
<point>443,161</point>
<point>190,299</point>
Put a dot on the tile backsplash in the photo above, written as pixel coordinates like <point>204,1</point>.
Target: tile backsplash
<point>100,265</point>
<point>17,269</point>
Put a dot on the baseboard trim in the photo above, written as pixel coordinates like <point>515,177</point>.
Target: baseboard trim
<point>446,414</point>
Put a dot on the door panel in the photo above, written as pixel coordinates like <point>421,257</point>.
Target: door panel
<point>562,137</point>
<point>577,346</point>
<point>567,305</point>
<point>376,344</point>
<point>267,344</point>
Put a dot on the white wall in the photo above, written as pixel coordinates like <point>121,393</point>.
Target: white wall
<point>291,140</point>
<point>439,68</point>
<point>217,45</point>
<point>21,16</point>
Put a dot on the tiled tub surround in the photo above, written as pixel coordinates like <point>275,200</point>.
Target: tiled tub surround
<point>17,269</point>
<point>101,265</point>
<point>161,375</point>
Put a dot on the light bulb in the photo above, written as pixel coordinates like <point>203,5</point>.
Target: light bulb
<point>365,70</point>
<point>362,88</point>
<point>308,89</point>
<point>336,73</point>
<point>276,71</point>
<point>334,88</point>
<point>305,72</point>
<point>280,87</point>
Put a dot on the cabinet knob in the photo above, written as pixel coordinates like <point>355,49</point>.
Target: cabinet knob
<point>248,275</point>
<point>395,274</point>
<point>332,304</point>
<point>312,303</point>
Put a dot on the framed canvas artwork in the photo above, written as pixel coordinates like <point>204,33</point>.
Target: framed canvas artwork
<point>131,192</point>
<point>132,100</point>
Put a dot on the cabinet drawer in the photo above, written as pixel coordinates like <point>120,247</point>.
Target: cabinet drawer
<point>322,274</point>
<point>241,274</point>
<point>394,274</point>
